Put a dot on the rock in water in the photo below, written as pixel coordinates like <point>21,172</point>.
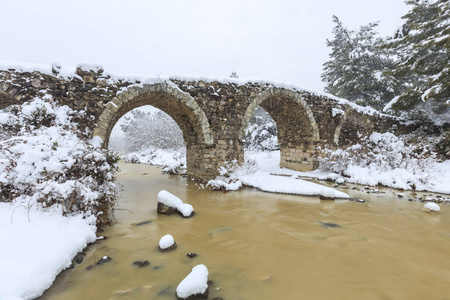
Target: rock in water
<point>143,223</point>
<point>104,259</point>
<point>431,207</point>
<point>79,259</point>
<point>169,204</point>
<point>195,285</point>
<point>141,263</point>
<point>167,243</point>
<point>332,225</point>
<point>356,200</point>
<point>165,291</point>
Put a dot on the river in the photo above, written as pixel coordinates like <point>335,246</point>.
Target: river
<point>258,245</point>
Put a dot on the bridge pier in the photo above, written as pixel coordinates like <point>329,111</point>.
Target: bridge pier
<point>200,160</point>
<point>299,158</point>
<point>204,161</point>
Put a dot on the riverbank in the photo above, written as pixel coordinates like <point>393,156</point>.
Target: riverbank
<point>435,178</point>
<point>36,246</point>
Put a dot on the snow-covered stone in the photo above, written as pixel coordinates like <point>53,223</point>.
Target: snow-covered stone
<point>431,207</point>
<point>169,199</point>
<point>195,284</point>
<point>185,209</point>
<point>169,204</point>
<point>167,243</point>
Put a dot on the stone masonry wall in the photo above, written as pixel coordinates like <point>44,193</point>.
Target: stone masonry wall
<point>86,89</point>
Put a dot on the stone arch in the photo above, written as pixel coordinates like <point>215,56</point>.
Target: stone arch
<point>185,111</point>
<point>298,132</point>
<point>179,105</point>
<point>273,92</point>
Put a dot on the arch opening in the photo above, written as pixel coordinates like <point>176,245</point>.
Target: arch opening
<point>182,108</point>
<point>297,131</point>
<point>261,141</point>
<point>149,135</point>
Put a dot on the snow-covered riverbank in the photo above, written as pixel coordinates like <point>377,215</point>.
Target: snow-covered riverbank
<point>56,187</point>
<point>264,173</point>
<point>435,178</point>
<point>36,246</point>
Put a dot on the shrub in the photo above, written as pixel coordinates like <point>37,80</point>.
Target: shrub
<point>383,151</point>
<point>46,159</point>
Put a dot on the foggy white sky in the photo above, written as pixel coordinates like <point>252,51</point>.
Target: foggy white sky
<point>279,40</point>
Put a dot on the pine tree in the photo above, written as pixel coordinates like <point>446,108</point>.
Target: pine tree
<point>422,45</point>
<point>358,66</point>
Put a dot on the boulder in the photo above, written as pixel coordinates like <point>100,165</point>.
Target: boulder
<point>195,285</point>
<point>431,207</point>
<point>141,263</point>
<point>167,243</point>
<point>169,204</point>
<point>165,209</point>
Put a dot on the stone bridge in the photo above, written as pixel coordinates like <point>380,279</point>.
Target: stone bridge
<point>213,115</point>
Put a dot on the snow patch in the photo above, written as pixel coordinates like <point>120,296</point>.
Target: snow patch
<point>337,112</point>
<point>195,283</point>
<point>390,103</point>
<point>288,185</point>
<point>166,241</point>
<point>36,246</point>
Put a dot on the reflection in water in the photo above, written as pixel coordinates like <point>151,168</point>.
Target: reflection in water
<point>328,204</point>
<point>266,246</point>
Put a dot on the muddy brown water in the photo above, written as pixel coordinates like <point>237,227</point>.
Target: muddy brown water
<point>266,246</point>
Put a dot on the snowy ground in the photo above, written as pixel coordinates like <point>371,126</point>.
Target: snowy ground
<point>38,174</point>
<point>267,177</point>
<point>264,174</point>
<point>170,160</point>
<point>436,178</point>
<point>36,246</point>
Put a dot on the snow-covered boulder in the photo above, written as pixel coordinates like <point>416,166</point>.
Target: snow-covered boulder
<point>431,207</point>
<point>169,204</point>
<point>327,194</point>
<point>195,285</point>
<point>167,243</point>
